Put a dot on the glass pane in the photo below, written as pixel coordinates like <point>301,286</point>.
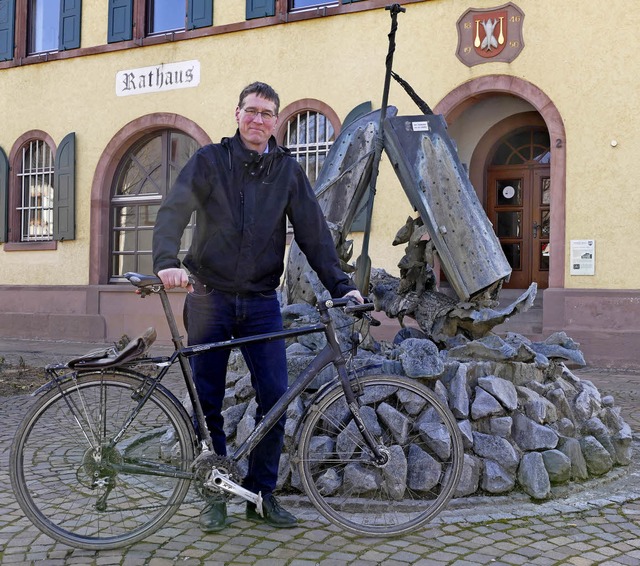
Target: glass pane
<point>124,217</point>
<point>544,256</point>
<point>546,190</point>
<point>512,253</point>
<point>142,171</point>
<point>296,4</point>
<point>182,148</point>
<point>44,25</point>
<point>124,263</point>
<point>145,263</point>
<point>546,223</point>
<point>144,240</point>
<point>166,15</point>
<point>509,192</point>
<point>509,224</point>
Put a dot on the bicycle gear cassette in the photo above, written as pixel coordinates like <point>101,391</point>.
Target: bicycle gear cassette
<point>204,465</point>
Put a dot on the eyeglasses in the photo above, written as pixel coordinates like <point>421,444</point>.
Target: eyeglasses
<point>253,113</point>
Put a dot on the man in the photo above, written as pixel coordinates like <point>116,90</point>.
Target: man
<point>243,189</point>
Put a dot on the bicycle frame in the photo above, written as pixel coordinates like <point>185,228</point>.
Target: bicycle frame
<point>330,354</point>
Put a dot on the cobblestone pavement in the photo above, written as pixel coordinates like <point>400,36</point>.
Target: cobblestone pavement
<point>593,523</point>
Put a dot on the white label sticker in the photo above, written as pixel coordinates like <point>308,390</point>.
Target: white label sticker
<point>420,126</point>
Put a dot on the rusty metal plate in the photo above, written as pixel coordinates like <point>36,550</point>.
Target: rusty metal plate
<point>427,164</point>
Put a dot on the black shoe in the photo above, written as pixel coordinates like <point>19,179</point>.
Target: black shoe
<point>213,517</point>
<point>274,515</point>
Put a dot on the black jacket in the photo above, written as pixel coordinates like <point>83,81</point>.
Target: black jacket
<point>242,200</point>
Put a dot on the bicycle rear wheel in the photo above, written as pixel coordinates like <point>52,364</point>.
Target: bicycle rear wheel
<point>79,487</point>
<point>424,452</point>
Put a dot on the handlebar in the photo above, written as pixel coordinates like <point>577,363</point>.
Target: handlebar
<point>152,283</point>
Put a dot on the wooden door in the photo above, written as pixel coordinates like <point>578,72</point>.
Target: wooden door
<point>518,203</point>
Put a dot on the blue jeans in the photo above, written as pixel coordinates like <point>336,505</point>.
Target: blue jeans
<point>211,316</point>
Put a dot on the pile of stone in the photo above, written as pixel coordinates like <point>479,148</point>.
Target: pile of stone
<point>527,421</point>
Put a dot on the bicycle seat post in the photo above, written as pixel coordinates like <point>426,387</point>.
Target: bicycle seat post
<point>176,337</point>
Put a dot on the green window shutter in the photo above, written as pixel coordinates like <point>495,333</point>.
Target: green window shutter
<point>199,14</point>
<point>64,186</point>
<point>4,196</point>
<point>7,19</point>
<point>359,220</point>
<point>70,19</point>
<point>120,27</point>
<point>260,8</point>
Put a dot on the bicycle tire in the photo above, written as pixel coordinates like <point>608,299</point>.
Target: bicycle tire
<point>84,496</point>
<point>420,436</point>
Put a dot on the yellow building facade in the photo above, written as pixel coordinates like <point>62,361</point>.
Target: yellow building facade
<point>102,107</point>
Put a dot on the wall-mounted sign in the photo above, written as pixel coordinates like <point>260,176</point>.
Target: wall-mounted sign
<point>490,35</point>
<point>583,257</point>
<point>158,78</point>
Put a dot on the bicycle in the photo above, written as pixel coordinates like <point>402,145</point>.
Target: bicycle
<point>107,453</point>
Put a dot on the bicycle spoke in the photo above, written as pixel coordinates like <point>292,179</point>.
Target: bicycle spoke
<point>418,437</point>
<point>102,496</point>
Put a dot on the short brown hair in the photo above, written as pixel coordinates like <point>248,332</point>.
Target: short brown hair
<point>261,89</point>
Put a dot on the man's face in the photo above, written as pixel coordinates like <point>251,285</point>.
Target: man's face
<point>256,121</point>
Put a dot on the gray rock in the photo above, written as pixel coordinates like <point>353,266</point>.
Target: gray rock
<point>395,421</point>
<point>297,349</point>
<point>232,417</point>
<point>470,477</point>
<point>394,474</point>
<point>423,471</point>
<point>485,405</point>
<point>243,389</point>
<point>420,358</point>
<point>533,476</point>
<point>458,393</point>
<point>558,466</point>
<point>411,402</point>
<point>467,433</point>
<point>436,436</point>
<point>623,448</point>
<point>532,436</point>
<point>314,342</point>
<point>247,423</point>
<point>359,479</point>
<point>559,399</point>
<point>596,456</point>
<point>329,482</point>
<point>571,448</point>
<point>496,449</point>
<point>496,479</point>
<point>503,390</point>
<point>501,426</point>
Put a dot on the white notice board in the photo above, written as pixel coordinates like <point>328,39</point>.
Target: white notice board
<point>583,257</point>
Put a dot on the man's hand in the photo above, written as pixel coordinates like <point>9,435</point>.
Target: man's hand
<point>356,295</point>
<point>175,277</point>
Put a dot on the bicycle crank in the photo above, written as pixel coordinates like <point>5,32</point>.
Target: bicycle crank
<point>218,474</point>
<point>222,481</point>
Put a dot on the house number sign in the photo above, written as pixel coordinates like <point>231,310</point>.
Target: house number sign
<point>490,35</point>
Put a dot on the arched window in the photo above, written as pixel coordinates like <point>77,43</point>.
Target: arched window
<point>530,145</point>
<point>144,176</point>
<point>308,128</point>
<point>35,180</point>
<point>309,136</point>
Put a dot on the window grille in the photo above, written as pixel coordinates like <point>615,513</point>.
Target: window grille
<point>36,182</point>
<point>310,136</point>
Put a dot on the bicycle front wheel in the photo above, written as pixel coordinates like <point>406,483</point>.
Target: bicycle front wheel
<point>77,484</point>
<point>415,431</point>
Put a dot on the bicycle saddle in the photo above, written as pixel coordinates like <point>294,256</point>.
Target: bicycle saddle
<point>111,357</point>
